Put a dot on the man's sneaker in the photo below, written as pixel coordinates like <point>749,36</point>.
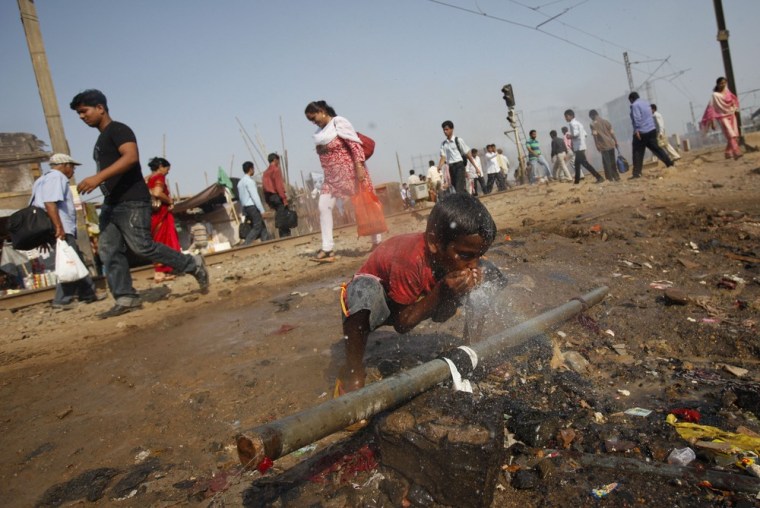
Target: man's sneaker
<point>97,297</point>
<point>118,310</point>
<point>63,306</point>
<point>201,273</point>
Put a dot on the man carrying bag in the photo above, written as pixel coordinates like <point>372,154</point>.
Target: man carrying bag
<point>52,194</point>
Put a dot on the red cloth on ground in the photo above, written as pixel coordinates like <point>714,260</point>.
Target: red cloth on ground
<point>162,221</point>
<point>404,267</point>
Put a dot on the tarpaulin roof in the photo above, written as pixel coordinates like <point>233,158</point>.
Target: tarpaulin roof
<point>203,197</point>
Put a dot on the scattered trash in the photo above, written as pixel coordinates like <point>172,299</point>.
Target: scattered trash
<point>731,369</point>
<point>750,465</point>
<point>66,412</point>
<point>638,411</point>
<point>726,283</point>
<point>615,444</point>
<point>298,293</point>
<point>722,441</point>
<point>610,333</point>
<point>561,334</point>
<point>284,328</point>
<point>688,415</point>
<point>599,417</point>
<point>596,228</point>
<point>681,456</point>
<point>604,491</point>
<point>306,449</point>
<point>265,465</point>
<point>624,393</point>
<point>140,457</point>
<point>620,349</point>
<point>566,436</point>
<point>660,284</point>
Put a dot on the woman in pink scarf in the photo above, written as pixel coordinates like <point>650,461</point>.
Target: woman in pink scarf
<point>723,107</point>
<point>342,158</point>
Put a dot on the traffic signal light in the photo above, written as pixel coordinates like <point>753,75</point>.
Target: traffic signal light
<point>509,96</point>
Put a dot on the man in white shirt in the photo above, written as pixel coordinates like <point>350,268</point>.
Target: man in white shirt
<point>454,152</point>
<point>413,179</point>
<point>493,170</point>
<point>578,135</point>
<point>662,135</point>
<point>434,176</point>
<point>475,173</point>
<point>504,167</point>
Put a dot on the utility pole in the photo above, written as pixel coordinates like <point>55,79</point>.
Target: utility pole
<point>509,98</point>
<point>628,71</point>
<point>727,65</point>
<point>42,73</point>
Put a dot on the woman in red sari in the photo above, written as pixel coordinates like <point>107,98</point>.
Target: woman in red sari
<point>162,222</point>
<point>342,159</point>
<point>722,108</point>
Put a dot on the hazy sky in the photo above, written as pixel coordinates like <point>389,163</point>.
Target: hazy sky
<point>396,69</point>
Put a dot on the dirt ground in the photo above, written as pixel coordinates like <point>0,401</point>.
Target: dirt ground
<point>141,410</point>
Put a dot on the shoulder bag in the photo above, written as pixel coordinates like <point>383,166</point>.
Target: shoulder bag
<point>30,227</point>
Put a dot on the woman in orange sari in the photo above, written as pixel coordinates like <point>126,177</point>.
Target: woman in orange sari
<point>162,222</point>
<point>722,108</point>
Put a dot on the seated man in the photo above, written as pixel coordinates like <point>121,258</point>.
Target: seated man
<point>416,276</point>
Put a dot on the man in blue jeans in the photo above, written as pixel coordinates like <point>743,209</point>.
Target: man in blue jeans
<point>125,215</point>
<point>250,201</point>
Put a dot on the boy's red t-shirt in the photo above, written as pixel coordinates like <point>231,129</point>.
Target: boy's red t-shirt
<point>402,263</point>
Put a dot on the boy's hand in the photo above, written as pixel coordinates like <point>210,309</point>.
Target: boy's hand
<point>462,281</point>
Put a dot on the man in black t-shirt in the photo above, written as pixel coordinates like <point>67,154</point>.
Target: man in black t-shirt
<point>125,215</point>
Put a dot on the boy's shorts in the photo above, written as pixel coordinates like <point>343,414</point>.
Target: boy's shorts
<point>365,292</point>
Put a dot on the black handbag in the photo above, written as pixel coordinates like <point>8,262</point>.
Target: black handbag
<point>30,227</point>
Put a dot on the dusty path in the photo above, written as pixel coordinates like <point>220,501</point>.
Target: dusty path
<point>174,382</point>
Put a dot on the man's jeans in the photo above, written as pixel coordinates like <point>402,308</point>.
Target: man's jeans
<point>84,289</point>
<point>127,225</point>
<point>258,228</point>
<point>534,170</point>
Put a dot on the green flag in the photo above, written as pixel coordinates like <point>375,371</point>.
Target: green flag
<point>223,179</point>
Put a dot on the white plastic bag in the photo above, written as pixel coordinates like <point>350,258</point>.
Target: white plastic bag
<point>68,266</point>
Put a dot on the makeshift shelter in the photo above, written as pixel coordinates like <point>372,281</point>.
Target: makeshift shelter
<point>215,209</point>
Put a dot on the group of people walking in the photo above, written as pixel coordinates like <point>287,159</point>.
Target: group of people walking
<point>137,212</point>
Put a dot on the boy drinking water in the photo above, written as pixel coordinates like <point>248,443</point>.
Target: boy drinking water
<point>416,276</point>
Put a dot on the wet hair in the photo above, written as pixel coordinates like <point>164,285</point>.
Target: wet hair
<point>654,107</point>
<point>717,83</point>
<point>447,123</point>
<point>593,114</point>
<point>458,215</point>
<point>158,162</point>
<point>633,96</point>
<point>532,131</point>
<point>272,157</point>
<point>317,106</point>
<point>247,165</point>
<point>552,133</point>
<point>91,98</point>
<point>570,112</point>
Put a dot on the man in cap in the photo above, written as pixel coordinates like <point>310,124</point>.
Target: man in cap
<point>51,192</point>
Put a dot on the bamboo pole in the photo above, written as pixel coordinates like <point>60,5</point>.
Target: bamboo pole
<point>275,439</point>
<point>42,73</point>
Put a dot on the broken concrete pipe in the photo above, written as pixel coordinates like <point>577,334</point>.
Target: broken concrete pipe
<point>276,439</point>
